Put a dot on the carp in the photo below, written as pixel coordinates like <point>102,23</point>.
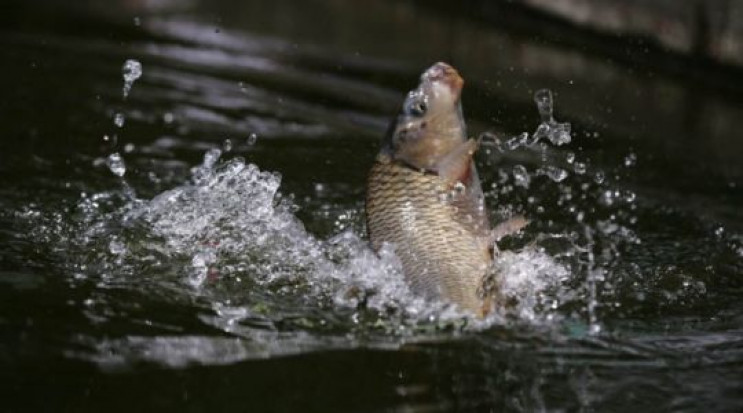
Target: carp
<point>424,197</point>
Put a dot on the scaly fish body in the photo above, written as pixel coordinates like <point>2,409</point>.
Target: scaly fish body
<point>424,196</point>
<point>443,254</point>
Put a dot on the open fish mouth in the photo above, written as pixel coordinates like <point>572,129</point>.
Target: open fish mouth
<point>445,74</point>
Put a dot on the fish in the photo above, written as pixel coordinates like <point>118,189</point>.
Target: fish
<point>424,198</point>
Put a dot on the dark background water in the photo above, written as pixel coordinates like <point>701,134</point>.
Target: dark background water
<point>317,82</point>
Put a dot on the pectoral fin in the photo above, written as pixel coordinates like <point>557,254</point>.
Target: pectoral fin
<point>509,227</point>
<point>456,166</point>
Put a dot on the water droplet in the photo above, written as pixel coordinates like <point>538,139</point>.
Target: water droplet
<point>599,177</point>
<point>168,117</point>
<point>131,71</point>
<point>560,134</point>
<point>607,198</point>
<point>116,164</point>
<point>630,160</point>
<point>227,145</point>
<point>211,157</point>
<point>119,119</point>
<point>252,139</point>
<point>554,173</point>
<point>521,176</point>
<point>137,22</point>
<point>629,196</point>
<point>129,148</point>
<point>579,168</point>
<point>719,231</point>
<point>543,98</point>
<point>570,157</point>
<point>513,143</point>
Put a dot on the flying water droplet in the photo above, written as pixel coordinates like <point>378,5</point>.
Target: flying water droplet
<point>227,145</point>
<point>599,177</point>
<point>252,139</point>
<point>554,173</point>
<point>556,132</point>
<point>543,99</point>
<point>131,71</point>
<point>211,157</point>
<point>116,164</point>
<point>119,119</point>
<point>521,176</point>
<point>560,133</point>
<point>630,160</point>
<point>579,168</point>
<point>570,157</point>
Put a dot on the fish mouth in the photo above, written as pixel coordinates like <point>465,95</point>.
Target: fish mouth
<point>444,73</point>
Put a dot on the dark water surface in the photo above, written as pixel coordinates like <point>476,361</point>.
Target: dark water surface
<point>227,267</point>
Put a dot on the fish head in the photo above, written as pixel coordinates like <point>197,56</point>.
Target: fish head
<point>430,124</point>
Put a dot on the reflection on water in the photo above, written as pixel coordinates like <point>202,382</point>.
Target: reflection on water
<point>203,233</point>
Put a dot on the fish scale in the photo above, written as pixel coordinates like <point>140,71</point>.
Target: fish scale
<point>416,212</point>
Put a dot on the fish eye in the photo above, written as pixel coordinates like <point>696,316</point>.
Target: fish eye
<point>416,106</point>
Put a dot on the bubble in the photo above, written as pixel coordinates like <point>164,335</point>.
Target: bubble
<point>116,164</point>
<point>131,71</point>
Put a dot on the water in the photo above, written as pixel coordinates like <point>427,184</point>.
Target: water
<point>209,250</point>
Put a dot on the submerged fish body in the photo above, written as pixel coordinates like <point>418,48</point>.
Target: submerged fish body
<point>424,196</point>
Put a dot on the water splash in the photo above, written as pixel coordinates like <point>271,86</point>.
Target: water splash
<point>556,132</point>
<point>594,218</point>
<point>229,234</point>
